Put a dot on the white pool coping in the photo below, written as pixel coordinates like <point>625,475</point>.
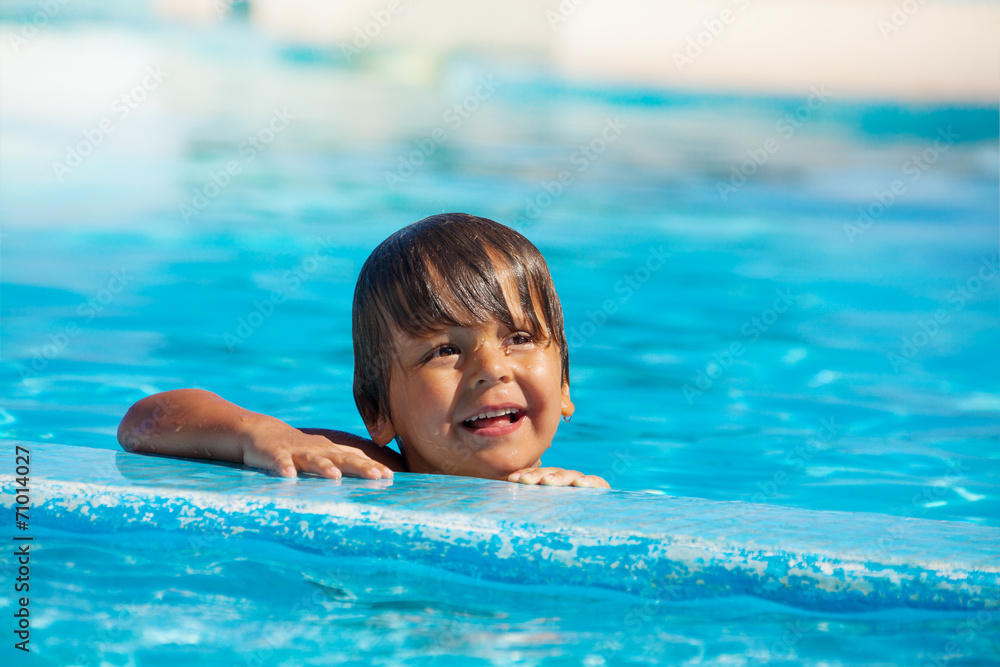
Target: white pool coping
<point>659,547</point>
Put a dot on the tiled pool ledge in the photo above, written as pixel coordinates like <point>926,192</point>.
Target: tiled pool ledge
<point>653,546</point>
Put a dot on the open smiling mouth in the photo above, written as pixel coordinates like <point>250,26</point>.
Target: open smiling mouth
<point>495,422</point>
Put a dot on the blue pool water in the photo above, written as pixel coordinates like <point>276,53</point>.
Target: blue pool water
<point>169,560</point>
<point>873,390</point>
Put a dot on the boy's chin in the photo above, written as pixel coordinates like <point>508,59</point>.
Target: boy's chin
<point>500,467</point>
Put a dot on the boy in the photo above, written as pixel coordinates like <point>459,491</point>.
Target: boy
<point>459,356</point>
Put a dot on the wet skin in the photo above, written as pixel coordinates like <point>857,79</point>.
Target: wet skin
<point>444,380</point>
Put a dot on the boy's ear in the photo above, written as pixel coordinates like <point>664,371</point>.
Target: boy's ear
<point>567,405</point>
<point>381,432</point>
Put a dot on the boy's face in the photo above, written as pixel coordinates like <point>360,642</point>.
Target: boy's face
<point>447,387</point>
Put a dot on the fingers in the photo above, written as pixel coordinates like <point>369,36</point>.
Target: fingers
<point>316,464</point>
<point>283,466</point>
<point>591,482</point>
<point>331,467</point>
<point>535,476</point>
<point>334,465</point>
<point>331,462</point>
<point>559,477</point>
<point>360,465</point>
<point>556,477</point>
<point>529,475</point>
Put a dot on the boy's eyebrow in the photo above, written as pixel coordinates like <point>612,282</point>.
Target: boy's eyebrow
<point>408,354</point>
<point>414,343</point>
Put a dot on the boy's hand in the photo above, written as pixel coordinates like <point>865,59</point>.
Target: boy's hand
<point>274,445</point>
<point>557,477</point>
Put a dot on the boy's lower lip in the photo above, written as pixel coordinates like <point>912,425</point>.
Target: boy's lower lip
<point>496,430</point>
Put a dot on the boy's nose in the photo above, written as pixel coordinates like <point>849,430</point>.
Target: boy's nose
<point>491,365</point>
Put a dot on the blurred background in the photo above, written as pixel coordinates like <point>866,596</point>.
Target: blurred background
<point>773,224</point>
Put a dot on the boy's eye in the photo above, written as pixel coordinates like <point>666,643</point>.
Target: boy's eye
<point>444,351</point>
<point>521,338</point>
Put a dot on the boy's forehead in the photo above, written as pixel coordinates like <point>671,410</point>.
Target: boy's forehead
<point>506,278</point>
<point>508,283</point>
<point>461,312</point>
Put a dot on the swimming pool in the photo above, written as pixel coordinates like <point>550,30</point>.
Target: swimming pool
<point>219,565</point>
<point>766,341</point>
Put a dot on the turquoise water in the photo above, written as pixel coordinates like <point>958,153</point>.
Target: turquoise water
<point>155,560</point>
<point>353,611</point>
<point>874,389</point>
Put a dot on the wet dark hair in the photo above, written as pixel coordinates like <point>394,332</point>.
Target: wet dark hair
<point>442,271</point>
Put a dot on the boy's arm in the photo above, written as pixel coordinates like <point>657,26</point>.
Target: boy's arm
<point>200,424</point>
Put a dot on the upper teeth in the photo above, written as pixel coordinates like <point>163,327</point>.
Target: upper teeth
<point>493,413</point>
